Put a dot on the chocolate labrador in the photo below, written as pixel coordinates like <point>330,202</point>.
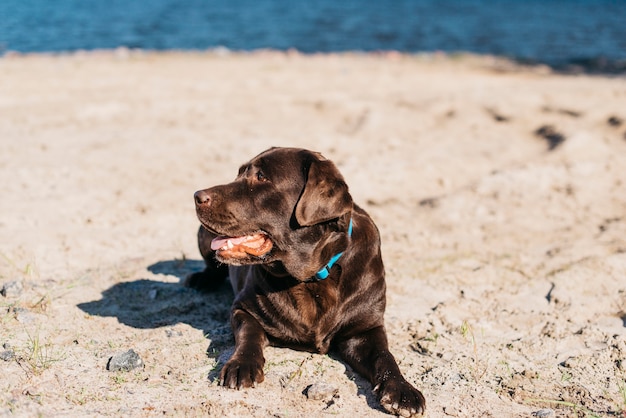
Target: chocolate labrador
<point>306,267</point>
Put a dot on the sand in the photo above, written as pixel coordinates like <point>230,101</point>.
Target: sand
<point>505,249</point>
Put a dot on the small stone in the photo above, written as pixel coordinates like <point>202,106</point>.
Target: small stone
<point>12,289</point>
<point>173,333</point>
<point>7,355</point>
<point>125,361</point>
<point>321,391</point>
<point>544,413</point>
<point>452,411</point>
<point>24,316</point>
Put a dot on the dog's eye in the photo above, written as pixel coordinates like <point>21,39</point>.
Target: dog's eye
<point>260,176</point>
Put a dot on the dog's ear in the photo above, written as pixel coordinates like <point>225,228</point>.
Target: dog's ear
<point>325,195</point>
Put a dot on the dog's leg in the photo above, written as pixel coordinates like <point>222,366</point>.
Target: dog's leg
<point>214,273</point>
<point>245,367</point>
<point>368,354</point>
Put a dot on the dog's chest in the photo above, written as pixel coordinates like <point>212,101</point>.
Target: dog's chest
<point>306,315</point>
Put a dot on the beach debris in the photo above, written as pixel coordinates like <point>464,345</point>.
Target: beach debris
<point>550,134</point>
<point>569,112</point>
<point>615,121</point>
<point>420,347</point>
<point>320,391</point>
<point>429,202</point>
<point>12,289</point>
<point>126,361</point>
<point>566,112</point>
<point>497,116</point>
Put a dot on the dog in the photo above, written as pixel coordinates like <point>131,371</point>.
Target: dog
<point>306,268</point>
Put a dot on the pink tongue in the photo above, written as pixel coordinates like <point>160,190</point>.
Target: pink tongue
<point>219,242</point>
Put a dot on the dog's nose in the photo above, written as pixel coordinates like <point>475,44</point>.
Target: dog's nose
<point>202,197</point>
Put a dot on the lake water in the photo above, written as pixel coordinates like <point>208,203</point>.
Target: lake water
<point>555,32</point>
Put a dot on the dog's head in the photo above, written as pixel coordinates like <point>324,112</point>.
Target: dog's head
<point>287,205</point>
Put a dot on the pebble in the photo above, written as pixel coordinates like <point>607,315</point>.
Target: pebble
<point>125,361</point>
<point>173,333</point>
<point>8,354</point>
<point>24,316</point>
<point>321,391</point>
<point>452,411</point>
<point>544,413</point>
<point>615,121</point>
<point>12,289</point>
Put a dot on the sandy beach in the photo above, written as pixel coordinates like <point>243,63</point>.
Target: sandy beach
<point>499,191</point>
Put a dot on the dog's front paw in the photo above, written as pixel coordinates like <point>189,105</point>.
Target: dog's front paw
<point>398,397</point>
<point>239,373</point>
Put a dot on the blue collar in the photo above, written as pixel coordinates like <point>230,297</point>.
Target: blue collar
<point>325,271</point>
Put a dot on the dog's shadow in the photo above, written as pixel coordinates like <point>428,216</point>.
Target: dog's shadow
<point>146,303</point>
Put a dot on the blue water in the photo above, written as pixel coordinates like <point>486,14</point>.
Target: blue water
<point>555,32</point>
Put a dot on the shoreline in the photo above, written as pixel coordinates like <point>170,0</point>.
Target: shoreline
<point>598,66</point>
